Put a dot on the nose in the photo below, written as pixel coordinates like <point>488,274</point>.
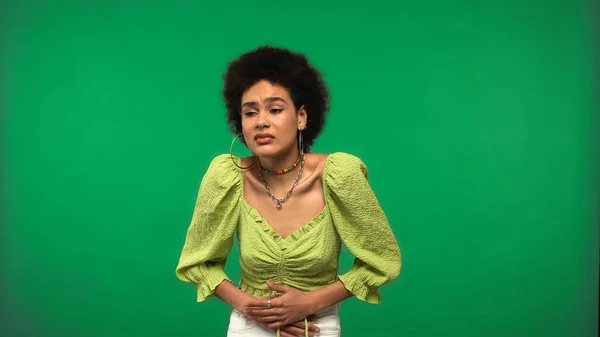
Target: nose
<point>262,121</point>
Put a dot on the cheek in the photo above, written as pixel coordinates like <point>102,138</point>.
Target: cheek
<point>246,126</point>
<point>246,129</point>
<point>292,127</point>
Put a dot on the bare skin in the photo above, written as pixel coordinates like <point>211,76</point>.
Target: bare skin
<point>307,199</point>
<point>270,123</point>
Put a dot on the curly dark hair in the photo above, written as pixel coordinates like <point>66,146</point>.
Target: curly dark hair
<point>282,67</point>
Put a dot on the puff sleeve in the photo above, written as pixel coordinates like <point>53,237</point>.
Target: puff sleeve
<point>362,226</point>
<point>209,237</point>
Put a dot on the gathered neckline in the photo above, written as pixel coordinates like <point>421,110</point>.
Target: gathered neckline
<point>299,232</point>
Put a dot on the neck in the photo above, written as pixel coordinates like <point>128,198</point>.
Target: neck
<point>278,163</point>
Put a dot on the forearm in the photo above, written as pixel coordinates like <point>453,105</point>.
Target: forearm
<point>231,295</point>
<point>329,295</point>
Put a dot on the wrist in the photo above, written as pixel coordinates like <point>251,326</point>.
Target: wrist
<point>328,295</point>
<point>313,302</point>
<point>233,296</point>
<point>240,302</point>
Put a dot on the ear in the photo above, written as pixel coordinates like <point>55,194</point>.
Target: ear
<point>302,118</point>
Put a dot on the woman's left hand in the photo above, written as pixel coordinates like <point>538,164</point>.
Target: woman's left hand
<point>293,305</point>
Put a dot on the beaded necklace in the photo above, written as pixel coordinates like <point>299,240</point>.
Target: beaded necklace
<point>285,170</point>
<point>279,202</point>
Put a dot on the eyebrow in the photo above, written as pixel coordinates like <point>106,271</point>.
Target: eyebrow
<point>268,100</point>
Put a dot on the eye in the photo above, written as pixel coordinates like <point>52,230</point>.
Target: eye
<point>249,113</point>
<point>276,110</point>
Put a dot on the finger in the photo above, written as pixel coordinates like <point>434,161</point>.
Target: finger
<point>260,302</point>
<point>284,333</point>
<point>312,318</point>
<point>263,312</point>
<point>278,287</point>
<point>265,325</point>
<point>265,319</point>
<point>277,324</point>
<point>264,305</point>
<point>300,325</point>
<point>264,298</point>
<point>295,331</point>
<point>312,327</point>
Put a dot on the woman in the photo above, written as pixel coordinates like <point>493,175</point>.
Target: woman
<point>290,209</point>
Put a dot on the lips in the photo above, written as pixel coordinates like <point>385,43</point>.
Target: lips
<point>263,136</point>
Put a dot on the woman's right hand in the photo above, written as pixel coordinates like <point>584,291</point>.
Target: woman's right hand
<point>290,330</point>
<point>239,300</point>
<point>297,328</point>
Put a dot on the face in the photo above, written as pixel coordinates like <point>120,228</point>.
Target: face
<point>269,120</point>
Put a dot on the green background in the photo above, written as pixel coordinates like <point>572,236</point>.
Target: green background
<point>477,119</point>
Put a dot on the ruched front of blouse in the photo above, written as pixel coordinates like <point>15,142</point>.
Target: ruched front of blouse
<point>308,258</point>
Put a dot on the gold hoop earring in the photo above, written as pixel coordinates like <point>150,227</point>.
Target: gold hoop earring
<point>231,155</point>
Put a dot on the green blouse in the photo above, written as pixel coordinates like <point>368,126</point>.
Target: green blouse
<point>306,259</point>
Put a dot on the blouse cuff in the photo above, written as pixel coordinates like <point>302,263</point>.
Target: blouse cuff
<point>213,276</point>
<point>355,283</point>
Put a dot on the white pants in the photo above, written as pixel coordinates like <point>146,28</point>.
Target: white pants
<point>328,323</point>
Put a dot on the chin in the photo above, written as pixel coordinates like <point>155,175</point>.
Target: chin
<point>266,151</point>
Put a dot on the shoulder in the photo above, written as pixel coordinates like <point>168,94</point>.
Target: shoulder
<point>345,175</point>
<point>225,162</point>
<point>221,160</point>
<point>342,164</point>
<point>222,170</point>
